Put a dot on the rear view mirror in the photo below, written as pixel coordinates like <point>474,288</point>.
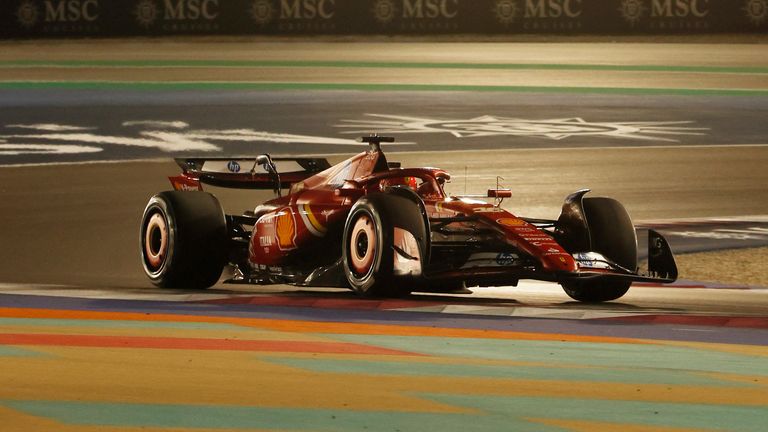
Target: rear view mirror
<point>263,159</point>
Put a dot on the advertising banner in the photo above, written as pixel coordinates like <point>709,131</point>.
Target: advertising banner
<point>106,18</point>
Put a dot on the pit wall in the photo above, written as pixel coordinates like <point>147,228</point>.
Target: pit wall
<point>109,18</point>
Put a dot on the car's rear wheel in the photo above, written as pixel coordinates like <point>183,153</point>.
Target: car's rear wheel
<point>183,240</point>
<point>612,234</point>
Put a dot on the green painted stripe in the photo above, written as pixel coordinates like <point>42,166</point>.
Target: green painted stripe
<point>244,417</point>
<point>643,356</point>
<point>598,374</point>
<point>492,414</point>
<point>379,65</point>
<point>672,415</point>
<point>266,86</point>
<point>46,322</point>
<point>9,351</point>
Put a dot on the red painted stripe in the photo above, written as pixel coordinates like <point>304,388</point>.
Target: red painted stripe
<point>194,344</point>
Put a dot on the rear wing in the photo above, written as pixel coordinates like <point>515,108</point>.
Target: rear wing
<point>244,173</point>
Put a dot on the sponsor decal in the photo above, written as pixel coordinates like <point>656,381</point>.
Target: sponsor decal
<point>506,11</point>
<point>756,11</point>
<point>233,166</point>
<point>540,14</point>
<point>511,222</point>
<point>505,258</point>
<point>262,12</point>
<point>285,228</point>
<point>27,14</point>
<point>667,14</point>
<point>294,15</point>
<point>487,210</point>
<point>57,16</point>
<point>591,260</point>
<point>146,13</point>
<point>178,15</point>
<point>417,15</point>
<point>492,259</point>
<point>182,183</point>
<point>311,222</point>
<point>632,11</point>
<point>384,11</point>
<point>492,126</point>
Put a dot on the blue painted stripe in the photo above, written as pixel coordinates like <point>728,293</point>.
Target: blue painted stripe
<point>54,322</point>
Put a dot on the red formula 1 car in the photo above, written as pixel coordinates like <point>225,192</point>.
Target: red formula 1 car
<point>383,230</point>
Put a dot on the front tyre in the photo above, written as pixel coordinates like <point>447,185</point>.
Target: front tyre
<point>367,250</point>
<point>612,234</point>
<point>183,240</point>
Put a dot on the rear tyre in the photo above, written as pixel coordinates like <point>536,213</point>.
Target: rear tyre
<point>613,235</point>
<point>183,240</point>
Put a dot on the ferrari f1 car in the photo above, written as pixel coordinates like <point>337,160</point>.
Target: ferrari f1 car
<point>383,230</point>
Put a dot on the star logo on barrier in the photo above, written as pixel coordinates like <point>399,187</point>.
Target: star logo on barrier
<point>146,13</point>
<point>756,10</point>
<point>555,129</point>
<point>632,11</point>
<point>27,14</point>
<point>384,11</point>
<point>262,12</point>
<point>506,11</point>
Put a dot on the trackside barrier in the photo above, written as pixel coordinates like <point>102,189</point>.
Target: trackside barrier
<point>113,18</point>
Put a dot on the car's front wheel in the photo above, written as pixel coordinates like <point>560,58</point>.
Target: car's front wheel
<point>612,234</point>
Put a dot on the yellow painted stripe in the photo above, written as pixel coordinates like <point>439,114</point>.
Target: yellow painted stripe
<point>232,378</point>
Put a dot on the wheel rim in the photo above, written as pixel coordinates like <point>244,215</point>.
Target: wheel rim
<point>362,245</point>
<point>156,241</point>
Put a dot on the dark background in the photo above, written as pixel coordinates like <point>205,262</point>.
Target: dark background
<point>106,18</point>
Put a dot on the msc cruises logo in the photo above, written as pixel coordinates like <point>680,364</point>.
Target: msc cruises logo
<point>506,11</point>
<point>682,10</point>
<point>384,11</point>
<point>58,12</point>
<point>27,14</point>
<point>632,11</point>
<point>757,11</point>
<point>262,11</point>
<point>146,13</point>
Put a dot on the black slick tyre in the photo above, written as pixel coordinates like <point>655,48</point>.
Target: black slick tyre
<point>613,235</point>
<point>183,240</point>
<point>367,252</point>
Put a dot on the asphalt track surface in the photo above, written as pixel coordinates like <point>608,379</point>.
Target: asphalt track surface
<point>676,132</point>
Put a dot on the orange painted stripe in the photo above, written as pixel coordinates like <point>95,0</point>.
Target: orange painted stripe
<point>316,326</point>
<point>194,344</point>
